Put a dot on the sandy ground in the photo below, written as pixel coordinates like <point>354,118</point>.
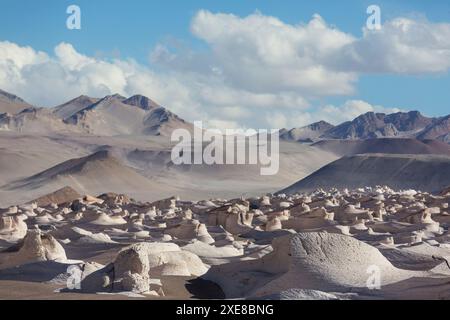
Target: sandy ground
<point>178,288</point>
<point>139,166</point>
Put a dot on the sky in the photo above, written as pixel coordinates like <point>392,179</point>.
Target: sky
<point>234,63</point>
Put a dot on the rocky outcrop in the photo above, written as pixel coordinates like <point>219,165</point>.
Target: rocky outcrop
<point>35,247</point>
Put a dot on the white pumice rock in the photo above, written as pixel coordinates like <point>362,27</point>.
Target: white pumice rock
<point>35,247</point>
<point>135,282</point>
<point>318,244</point>
<point>13,228</point>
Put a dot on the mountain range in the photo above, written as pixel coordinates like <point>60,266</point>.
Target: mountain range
<point>375,125</point>
<point>139,115</point>
<point>108,116</point>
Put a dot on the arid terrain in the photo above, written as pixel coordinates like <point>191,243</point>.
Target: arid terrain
<point>94,208</point>
<point>371,243</point>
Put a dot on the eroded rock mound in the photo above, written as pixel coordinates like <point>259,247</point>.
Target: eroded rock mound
<point>12,228</point>
<point>327,244</point>
<point>35,247</point>
<point>134,267</point>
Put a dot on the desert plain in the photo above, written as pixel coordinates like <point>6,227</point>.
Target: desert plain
<point>94,208</point>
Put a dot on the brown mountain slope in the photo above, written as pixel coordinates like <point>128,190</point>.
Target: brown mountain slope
<point>419,172</point>
<point>12,104</point>
<point>384,145</point>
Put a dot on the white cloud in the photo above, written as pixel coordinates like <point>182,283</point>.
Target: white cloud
<point>222,124</point>
<point>349,110</point>
<point>49,80</point>
<point>277,120</point>
<point>235,112</point>
<point>20,57</point>
<point>262,54</point>
<point>402,46</point>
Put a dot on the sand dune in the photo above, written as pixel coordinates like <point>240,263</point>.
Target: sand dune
<point>60,196</point>
<point>138,165</point>
<point>384,145</point>
<point>23,155</point>
<point>420,172</point>
<point>88,175</point>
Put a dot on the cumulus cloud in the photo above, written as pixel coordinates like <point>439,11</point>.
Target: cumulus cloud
<point>349,110</point>
<point>401,46</point>
<point>45,79</point>
<point>260,53</point>
<point>263,54</point>
<point>222,124</point>
<point>257,71</point>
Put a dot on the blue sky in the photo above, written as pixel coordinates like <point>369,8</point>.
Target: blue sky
<point>132,29</point>
<point>135,26</point>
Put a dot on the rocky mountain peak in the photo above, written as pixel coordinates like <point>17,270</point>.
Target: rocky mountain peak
<point>142,102</point>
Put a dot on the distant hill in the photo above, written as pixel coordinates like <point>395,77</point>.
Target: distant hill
<point>439,129</point>
<point>378,125</point>
<point>36,121</point>
<point>92,172</point>
<point>384,145</point>
<point>114,115</point>
<point>374,126</point>
<point>419,172</point>
<point>12,104</point>
<point>307,133</point>
<point>74,106</point>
